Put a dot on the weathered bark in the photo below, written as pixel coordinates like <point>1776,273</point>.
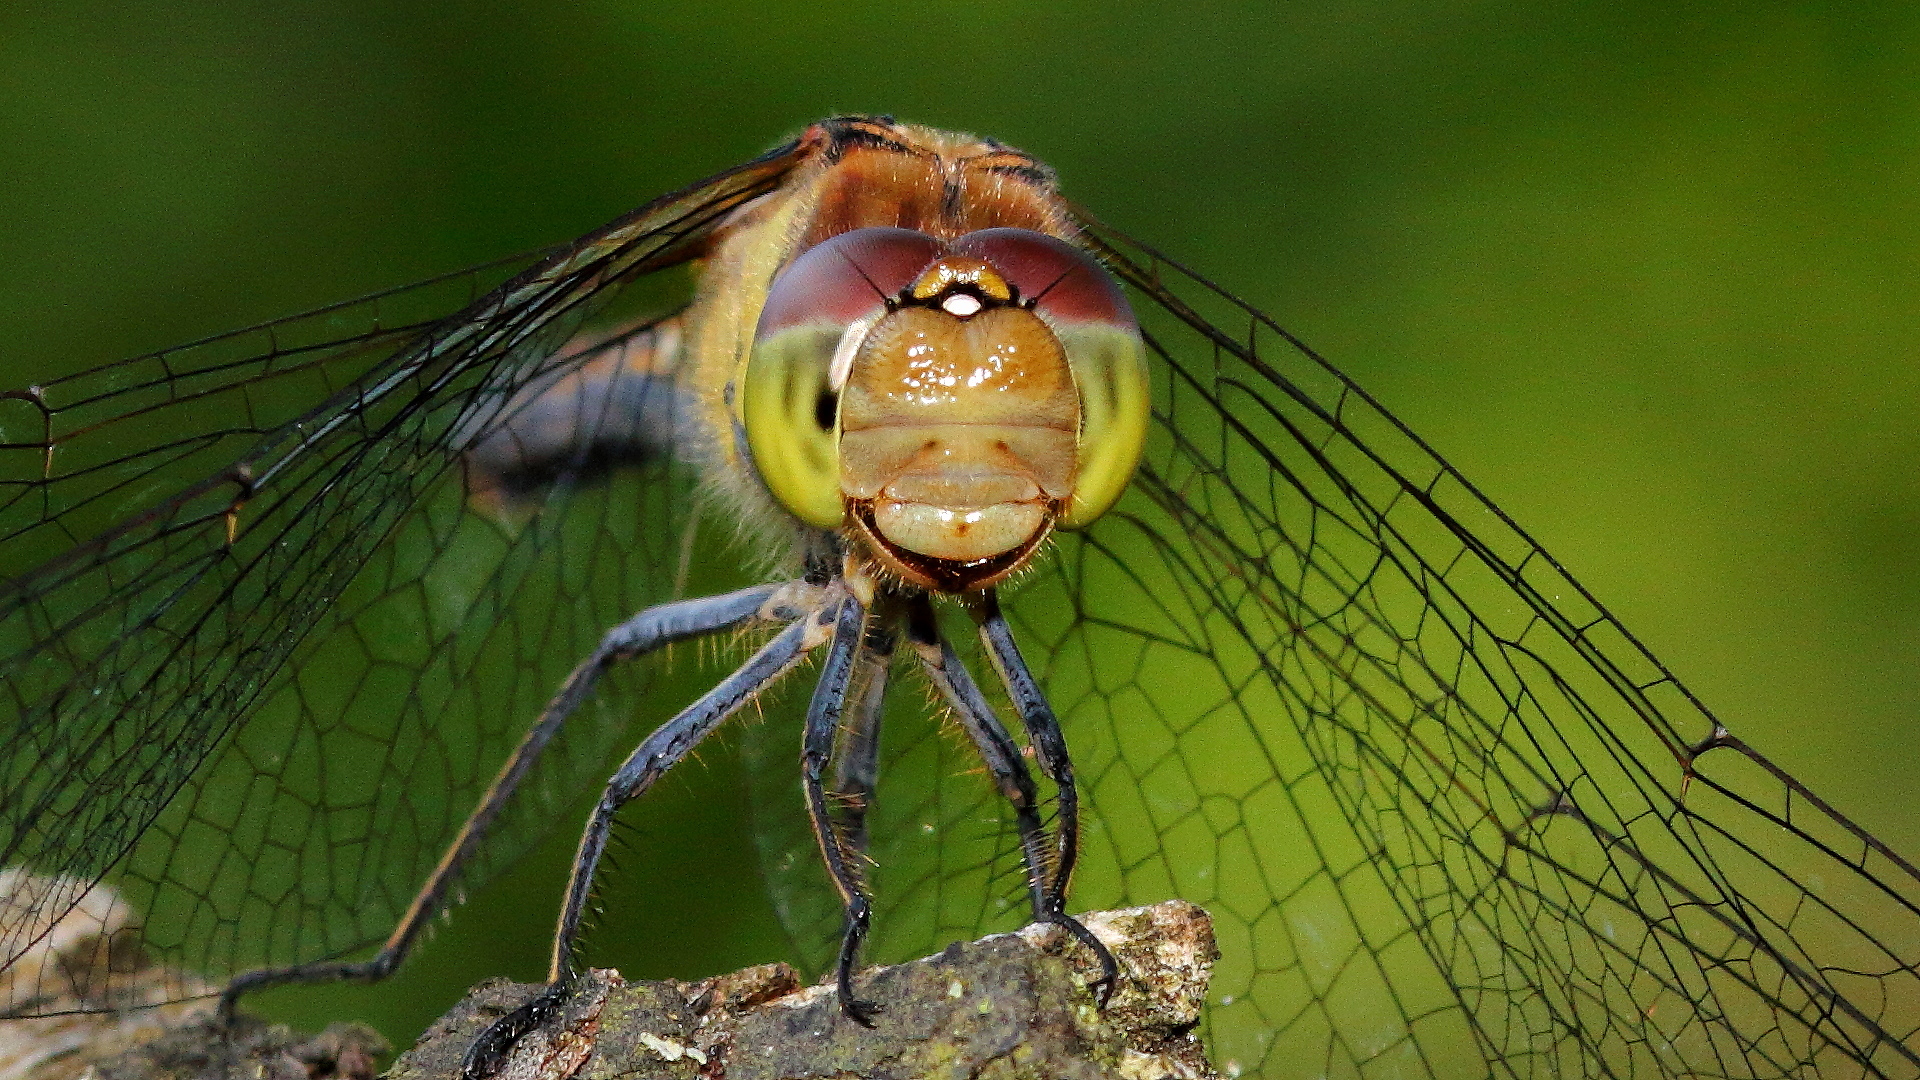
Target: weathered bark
<point>1009,1006</point>
<point>196,1046</point>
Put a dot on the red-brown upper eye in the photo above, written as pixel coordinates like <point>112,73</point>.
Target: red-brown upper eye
<point>1061,280</point>
<point>848,277</point>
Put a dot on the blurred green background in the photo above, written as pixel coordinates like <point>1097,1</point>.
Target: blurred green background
<point>1645,273</point>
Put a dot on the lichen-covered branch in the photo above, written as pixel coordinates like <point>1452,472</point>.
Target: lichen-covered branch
<point>1008,1006</point>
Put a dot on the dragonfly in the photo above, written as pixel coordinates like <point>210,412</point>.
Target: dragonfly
<point>310,627</point>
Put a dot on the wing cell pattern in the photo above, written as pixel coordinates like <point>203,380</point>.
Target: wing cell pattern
<point>1449,815</point>
<point>265,700</point>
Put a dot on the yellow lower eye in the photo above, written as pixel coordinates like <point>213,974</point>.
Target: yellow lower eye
<point>789,408</point>
<point>1110,372</point>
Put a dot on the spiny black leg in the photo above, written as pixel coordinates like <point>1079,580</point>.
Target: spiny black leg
<point>856,759</point>
<point>823,721</point>
<point>659,752</point>
<point>997,749</point>
<point>642,634</point>
<point>1050,746</point>
<point>489,1051</point>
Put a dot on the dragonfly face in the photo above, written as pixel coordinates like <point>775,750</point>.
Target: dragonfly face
<point>950,410</point>
<point>1449,817</point>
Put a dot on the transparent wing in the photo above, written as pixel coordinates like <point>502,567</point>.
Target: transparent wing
<point>1449,817</point>
<point>256,654</point>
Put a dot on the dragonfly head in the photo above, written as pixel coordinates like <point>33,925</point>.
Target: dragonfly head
<point>946,404</point>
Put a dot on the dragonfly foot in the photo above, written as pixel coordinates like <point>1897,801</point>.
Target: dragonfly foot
<point>490,1050</point>
<point>1102,988</point>
<point>859,1011</point>
<point>1109,977</point>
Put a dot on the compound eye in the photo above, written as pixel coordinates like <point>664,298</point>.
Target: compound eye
<point>1059,280</point>
<point>1086,310</point>
<point>844,279</point>
<point>818,308</point>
